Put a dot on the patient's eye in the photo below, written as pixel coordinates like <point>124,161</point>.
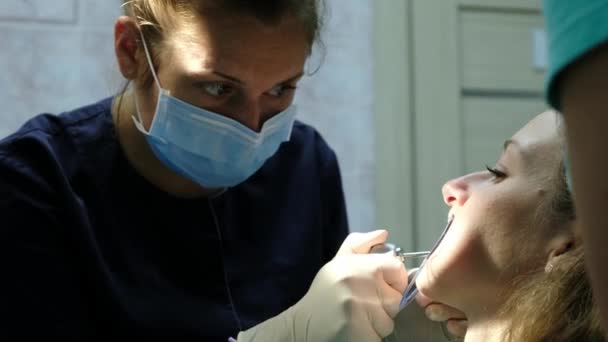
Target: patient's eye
<point>495,172</point>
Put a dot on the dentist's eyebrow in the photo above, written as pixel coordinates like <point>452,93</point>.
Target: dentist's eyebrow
<point>238,81</point>
<point>228,77</point>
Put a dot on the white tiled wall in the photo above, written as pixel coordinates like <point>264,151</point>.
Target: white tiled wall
<point>57,55</point>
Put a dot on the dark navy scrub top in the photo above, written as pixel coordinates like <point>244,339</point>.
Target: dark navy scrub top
<point>90,251</point>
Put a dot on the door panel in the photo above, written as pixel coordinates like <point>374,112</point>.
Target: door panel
<point>497,52</point>
<point>475,85</point>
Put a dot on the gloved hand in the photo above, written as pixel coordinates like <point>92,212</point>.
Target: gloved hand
<point>454,319</point>
<point>353,298</point>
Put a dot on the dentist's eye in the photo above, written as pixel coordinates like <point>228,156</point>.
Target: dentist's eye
<point>280,90</point>
<point>495,172</point>
<point>216,89</point>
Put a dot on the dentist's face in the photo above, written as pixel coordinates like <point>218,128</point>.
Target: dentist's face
<point>233,65</point>
<point>499,228</point>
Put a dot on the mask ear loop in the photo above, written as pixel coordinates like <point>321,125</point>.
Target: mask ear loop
<point>138,120</point>
<point>149,58</point>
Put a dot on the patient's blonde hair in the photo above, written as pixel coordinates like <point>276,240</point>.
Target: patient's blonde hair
<point>555,306</point>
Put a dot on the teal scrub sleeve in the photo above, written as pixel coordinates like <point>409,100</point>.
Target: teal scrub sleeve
<point>574,27</point>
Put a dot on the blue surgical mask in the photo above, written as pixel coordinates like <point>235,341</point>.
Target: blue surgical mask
<point>208,148</point>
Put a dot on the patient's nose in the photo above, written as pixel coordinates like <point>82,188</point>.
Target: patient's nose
<point>455,191</point>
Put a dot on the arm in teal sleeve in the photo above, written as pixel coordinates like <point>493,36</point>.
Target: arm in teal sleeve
<point>584,99</point>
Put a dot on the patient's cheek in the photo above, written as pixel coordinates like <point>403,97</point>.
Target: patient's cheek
<point>438,275</point>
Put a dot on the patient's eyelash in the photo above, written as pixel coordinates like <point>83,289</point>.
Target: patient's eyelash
<point>497,173</point>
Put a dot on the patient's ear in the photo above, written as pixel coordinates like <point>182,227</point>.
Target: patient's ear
<point>559,246</point>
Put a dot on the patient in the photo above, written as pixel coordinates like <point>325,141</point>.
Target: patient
<point>512,260</point>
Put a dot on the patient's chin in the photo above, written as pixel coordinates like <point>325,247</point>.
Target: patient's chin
<point>429,283</point>
<point>439,280</point>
